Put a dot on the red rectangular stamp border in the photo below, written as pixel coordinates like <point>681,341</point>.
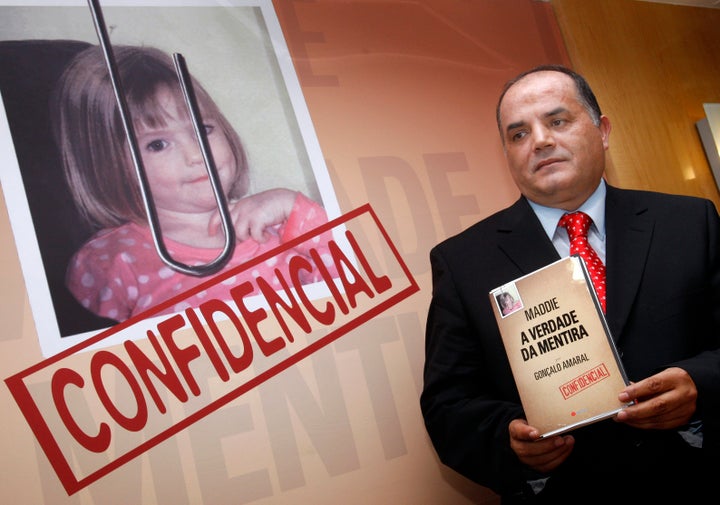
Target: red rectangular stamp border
<point>601,365</point>
<point>44,435</point>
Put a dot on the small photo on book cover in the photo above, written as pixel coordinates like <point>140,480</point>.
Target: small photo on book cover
<point>563,358</point>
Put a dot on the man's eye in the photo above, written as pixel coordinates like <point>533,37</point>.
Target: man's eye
<point>156,145</point>
<point>557,122</point>
<point>518,136</point>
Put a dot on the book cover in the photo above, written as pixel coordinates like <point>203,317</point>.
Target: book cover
<point>563,359</point>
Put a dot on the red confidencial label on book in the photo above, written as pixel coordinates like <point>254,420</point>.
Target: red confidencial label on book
<point>584,381</point>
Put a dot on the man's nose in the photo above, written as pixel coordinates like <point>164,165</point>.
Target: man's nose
<point>543,137</point>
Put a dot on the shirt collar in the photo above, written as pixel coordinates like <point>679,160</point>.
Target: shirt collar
<point>593,207</point>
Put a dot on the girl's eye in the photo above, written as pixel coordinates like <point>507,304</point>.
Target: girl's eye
<point>209,128</point>
<point>156,145</point>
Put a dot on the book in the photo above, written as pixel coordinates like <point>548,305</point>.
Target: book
<point>563,358</point>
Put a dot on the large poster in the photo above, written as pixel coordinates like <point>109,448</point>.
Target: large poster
<point>293,374</point>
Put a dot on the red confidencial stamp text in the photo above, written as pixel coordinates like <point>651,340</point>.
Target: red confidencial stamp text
<point>147,378</point>
<point>584,381</point>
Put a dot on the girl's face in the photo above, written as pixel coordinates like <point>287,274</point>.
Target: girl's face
<point>174,163</point>
<point>506,302</point>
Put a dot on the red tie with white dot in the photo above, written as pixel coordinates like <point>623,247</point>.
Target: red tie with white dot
<point>578,224</point>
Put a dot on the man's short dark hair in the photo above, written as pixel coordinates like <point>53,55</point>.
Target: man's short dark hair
<point>585,93</point>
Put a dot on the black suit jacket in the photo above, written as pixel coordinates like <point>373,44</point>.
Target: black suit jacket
<point>663,309</point>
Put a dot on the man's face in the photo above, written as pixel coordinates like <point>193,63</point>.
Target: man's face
<point>555,153</point>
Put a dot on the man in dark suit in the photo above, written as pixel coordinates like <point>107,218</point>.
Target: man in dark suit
<point>662,256</point>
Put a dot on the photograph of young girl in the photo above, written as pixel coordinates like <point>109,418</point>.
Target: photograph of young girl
<point>86,248</point>
<point>118,273</point>
<point>508,299</point>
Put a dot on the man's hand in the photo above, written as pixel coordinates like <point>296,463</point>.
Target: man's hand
<point>542,455</point>
<point>665,401</point>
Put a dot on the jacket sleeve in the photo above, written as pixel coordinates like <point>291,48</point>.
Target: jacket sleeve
<point>704,368</point>
<point>465,413</point>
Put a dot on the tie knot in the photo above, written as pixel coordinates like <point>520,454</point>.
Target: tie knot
<point>576,223</point>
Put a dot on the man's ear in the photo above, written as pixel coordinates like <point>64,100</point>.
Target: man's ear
<point>605,128</point>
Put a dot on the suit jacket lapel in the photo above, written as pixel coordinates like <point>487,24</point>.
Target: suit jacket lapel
<point>629,228</point>
<point>523,240</point>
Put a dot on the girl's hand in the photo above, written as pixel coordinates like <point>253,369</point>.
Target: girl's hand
<point>254,214</point>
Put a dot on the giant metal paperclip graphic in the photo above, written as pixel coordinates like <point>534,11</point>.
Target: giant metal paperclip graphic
<point>193,109</point>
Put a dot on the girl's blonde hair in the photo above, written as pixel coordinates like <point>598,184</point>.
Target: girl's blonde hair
<point>88,129</point>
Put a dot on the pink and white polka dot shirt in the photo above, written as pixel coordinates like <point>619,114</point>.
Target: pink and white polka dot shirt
<point>118,274</point>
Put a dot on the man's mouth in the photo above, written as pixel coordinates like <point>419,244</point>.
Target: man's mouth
<point>544,163</point>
